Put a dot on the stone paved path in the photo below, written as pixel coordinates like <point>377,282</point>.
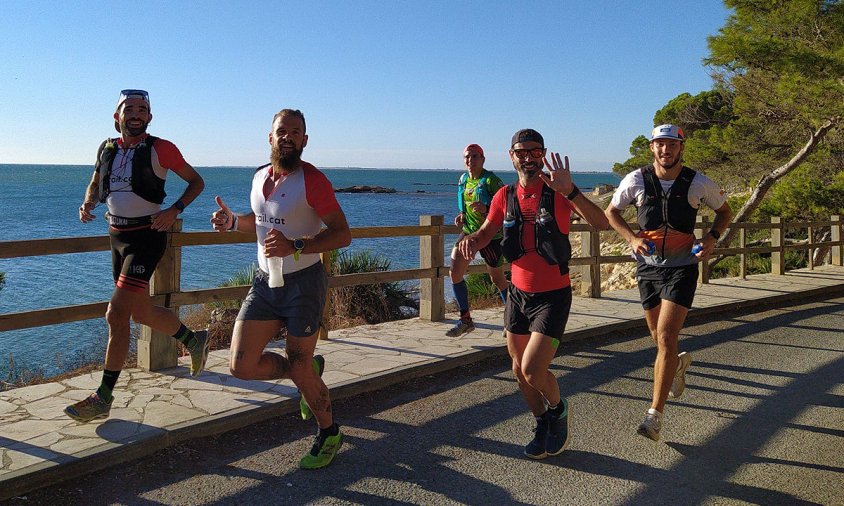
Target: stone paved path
<point>39,445</point>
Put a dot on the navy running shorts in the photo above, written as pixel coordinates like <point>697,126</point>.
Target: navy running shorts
<point>299,303</point>
<point>543,312</point>
<point>677,284</point>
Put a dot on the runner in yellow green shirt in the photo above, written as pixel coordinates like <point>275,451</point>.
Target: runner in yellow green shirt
<point>475,191</point>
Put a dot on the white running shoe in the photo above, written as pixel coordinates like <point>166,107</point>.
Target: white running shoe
<point>679,383</point>
<point>651,425</point>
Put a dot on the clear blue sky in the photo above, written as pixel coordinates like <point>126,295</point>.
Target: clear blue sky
<point>382,84</point>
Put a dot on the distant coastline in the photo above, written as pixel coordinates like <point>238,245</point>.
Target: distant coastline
<point>252,167</point>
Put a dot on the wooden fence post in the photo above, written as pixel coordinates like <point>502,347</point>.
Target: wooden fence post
<point>777,241</point>
<point>325,256</point>
<point>743,256</point>
<point>701,228</point>
<point>810,258</point>
<point>590,275</point>
<point>837,251</point>
<point>431,290</point>
<point>157,350</point>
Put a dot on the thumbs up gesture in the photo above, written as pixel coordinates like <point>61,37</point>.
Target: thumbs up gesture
<point>223,218</point>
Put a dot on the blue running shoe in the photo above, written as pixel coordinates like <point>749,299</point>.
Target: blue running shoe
<point>536,449</point>
<point>558,431</point>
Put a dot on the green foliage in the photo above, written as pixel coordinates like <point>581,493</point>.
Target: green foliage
<point>373,303</point>
<point>777,68</point>
<point>242,277</point>
<point>802,196</point>
<point>757,264</point>
<point>783,61</point>
<point>703,111</point>
<point>640,155</point>
<point>480,285</point>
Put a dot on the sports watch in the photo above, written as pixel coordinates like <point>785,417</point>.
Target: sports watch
<point>179,205</point>
<point>298,245</point>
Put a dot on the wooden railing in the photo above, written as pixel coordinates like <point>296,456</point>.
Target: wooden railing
<point>158,351</point>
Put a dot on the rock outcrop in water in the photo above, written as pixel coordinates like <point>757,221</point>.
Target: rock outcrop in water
<point>365,189</point>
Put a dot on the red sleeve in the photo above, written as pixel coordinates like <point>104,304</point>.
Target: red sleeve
<point>497,207</point>
<point>169,155</point>
<point>318,191</point>
<point>562,212</point>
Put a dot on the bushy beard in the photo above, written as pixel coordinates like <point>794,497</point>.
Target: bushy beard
<point>133,132</point>
<point>285,162</point>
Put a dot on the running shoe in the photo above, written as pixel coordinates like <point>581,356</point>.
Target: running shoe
<point>536,449</point>
<point>199,352</point>
<point>323,451</point>
<point>462,327</point>
<point>558,431</point>
<point>89,408</point>
<point>305,410</point>
<point>679,383</point>
<point>651,425</point>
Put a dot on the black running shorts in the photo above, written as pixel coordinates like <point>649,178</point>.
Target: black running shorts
<point>491,253</point>
<point>134,255</point>
<point>677,284</point>
<point>543,312</point>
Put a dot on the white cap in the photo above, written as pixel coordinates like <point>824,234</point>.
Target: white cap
<point>668,131</point>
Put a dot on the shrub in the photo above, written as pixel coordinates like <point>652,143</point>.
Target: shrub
<point>373,303</point>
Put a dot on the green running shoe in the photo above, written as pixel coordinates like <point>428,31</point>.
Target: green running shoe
<point>89,408</point>
<point>304,409</point>
<point>322,452</point>
<point>199,352</point>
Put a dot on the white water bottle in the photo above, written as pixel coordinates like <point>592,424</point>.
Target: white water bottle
<point>275,267</point>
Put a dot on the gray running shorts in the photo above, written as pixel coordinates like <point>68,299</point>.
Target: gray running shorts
<point>299,303</point>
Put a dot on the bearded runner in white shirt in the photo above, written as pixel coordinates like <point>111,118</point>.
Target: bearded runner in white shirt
<point>290,201</point>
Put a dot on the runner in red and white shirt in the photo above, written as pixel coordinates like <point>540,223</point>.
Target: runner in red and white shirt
<point>291,200</point>
<point>129,177</point>
<point>539,298</point>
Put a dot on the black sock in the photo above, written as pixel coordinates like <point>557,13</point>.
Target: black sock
<point>107,385</point>
<point>557,410</point>
<point>330,431</point>
<point>184,335</point>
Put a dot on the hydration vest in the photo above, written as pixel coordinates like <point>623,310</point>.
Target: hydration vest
<point>673,210</point>
<point>482,190</point>
<point>145,183</point>
<point>551,243</point>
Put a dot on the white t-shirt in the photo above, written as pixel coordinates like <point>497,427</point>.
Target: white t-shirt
<point>703,190</point>
<point>673,247</point>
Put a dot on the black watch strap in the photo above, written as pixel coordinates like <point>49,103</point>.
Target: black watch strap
<point>179,205</point>
<point>714,233</point>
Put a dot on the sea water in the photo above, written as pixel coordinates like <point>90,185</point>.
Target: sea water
<point>42,201</point>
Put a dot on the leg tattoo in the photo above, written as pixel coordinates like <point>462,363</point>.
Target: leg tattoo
<point>280,365</point>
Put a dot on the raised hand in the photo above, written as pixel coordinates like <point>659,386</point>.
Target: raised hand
<point>222,218</point>
<point>559,175</point>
